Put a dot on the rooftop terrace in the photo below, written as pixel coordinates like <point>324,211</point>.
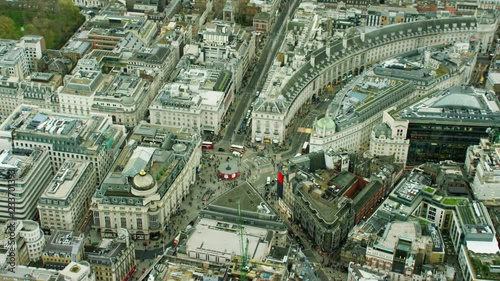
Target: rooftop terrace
<point>61,130</point>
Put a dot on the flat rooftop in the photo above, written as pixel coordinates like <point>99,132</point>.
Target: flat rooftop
<point>64,241</point>
<point>65,180</point>
<point>81,131</point>
<point>21,160</point>
<point>396,230</point>
<point>222,237</point>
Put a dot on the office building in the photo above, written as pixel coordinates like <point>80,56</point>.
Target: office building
<point>73,272</point>
<point>31,171</point>
<point>124,98</point>
<point>197,99</point>
<point>153,63</point>
<point>63,248</point>
<point>389,139</point>
<point>28,240</point>
<point>112,259</point>
<point>107,31</point>
<point>10,236</point>
<point>34,47</point>
<point>294,82</point>
<point>95,139</point>
<point>40,89</point>
<point>34,237</point>
<point>147,183</point>
<point>89,3</point>
<point>460,117</point>
<point>79,89</point>
<point>8,93</point>
<point>379,16</point>
<point>482,164</point>
<point>225,42</point>
<point>348,124</point>
<point>325,215</point>
<point>65,202</point>
<point>13,61</point>
<point>414,204</point>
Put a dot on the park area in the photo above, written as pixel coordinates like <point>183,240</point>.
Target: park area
<point>55,20</point>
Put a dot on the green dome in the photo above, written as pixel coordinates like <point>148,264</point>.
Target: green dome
<point>383,129</point>
<point>128,101</point>
<point>325,123</point>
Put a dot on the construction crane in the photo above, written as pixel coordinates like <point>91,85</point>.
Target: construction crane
<point>244,247</point>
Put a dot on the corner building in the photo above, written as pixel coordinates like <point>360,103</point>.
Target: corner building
<point>32,175</point>
<point>297,83</point>
<point>95,139</point>
<point>66,201</point>
<point>147,183</point>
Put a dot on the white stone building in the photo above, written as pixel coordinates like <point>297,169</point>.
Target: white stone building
<point>483,164</point>
<point>389,138</point>
<point>198,99</point>
<point>290,86</point>
<point>31,170</point>
<point>34,237</point>
<point>148,182</point>
<point>66,201</point>
<point>124,98</point>
<point>95,139</point>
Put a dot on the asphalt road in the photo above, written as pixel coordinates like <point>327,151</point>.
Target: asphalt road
<point>258,77</point>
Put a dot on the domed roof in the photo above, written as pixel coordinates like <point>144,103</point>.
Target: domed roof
<point>458,100</point>
<point>382,129</point>
<point>143,181</point>
<point>326,123</point>
<point>128,100</point>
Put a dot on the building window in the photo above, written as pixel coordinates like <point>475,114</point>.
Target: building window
<point>139,223</point>
<point>123,222</point>
<point>107,222</point>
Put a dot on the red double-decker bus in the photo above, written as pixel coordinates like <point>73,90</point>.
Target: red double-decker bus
<point>207,145</point>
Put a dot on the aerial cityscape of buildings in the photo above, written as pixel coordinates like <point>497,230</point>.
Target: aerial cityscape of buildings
<point>254,140</point>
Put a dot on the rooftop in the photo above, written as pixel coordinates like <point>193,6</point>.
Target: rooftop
<point>84,134</point>
<point>63,183</point>
<point>161,151</point>
<point>64,241</point>
<point>151,55</point>
<point>458,103</point>
<point>19,160</point>
<point>195,87</point>
<point>282,88</point>
<point>223,238</point>
<point>83,82</point>
<point>243,193</point>
<point>395,230</point>
<point>20,272</point>
<point>107,251</point>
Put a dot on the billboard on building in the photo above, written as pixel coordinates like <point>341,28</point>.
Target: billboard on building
<point>280,185</point>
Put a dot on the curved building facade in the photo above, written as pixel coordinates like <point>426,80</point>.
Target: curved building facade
<point>333,62</point>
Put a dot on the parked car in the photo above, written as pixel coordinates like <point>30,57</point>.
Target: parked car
<point>221,149</point>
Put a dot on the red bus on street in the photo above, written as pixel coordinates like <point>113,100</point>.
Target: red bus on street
<point>207,145</point>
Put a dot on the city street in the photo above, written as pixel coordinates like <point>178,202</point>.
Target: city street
<point>258,76</point>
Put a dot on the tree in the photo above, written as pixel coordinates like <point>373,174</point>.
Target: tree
<point>7,28</point>
<point>218,8</point>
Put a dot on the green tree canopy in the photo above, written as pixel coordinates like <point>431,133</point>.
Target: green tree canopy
<point>7,28</point>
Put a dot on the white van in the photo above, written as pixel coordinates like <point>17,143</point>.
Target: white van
<point>268,181</point>
<point>236,154</point>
